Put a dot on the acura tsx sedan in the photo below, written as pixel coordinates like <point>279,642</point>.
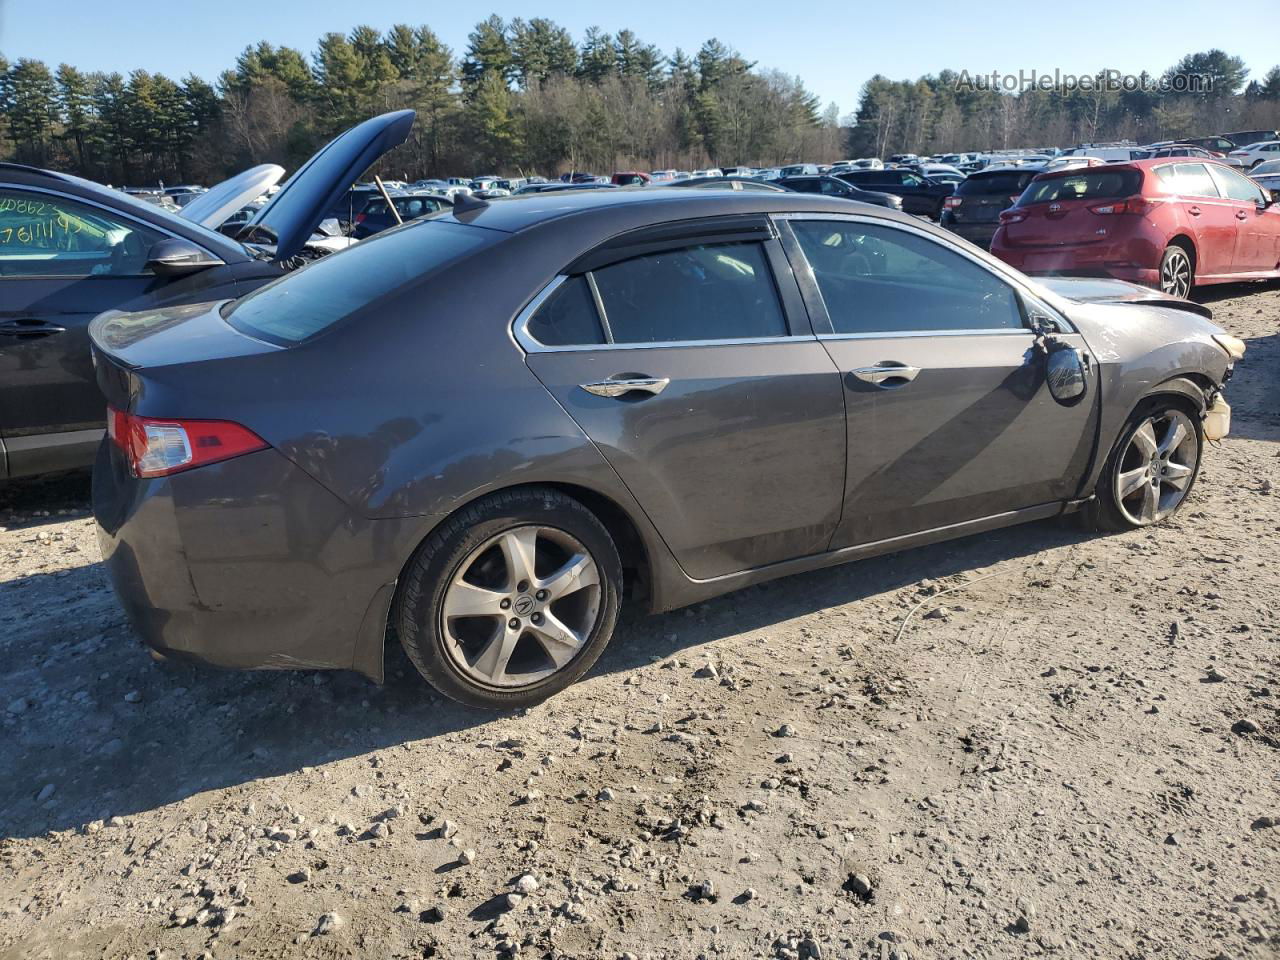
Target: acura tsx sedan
<point>480,431</point>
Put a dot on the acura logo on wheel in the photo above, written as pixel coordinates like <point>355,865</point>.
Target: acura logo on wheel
<point>523,605</point>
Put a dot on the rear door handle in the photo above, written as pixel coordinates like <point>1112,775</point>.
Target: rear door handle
<point>617,386</point>
<point>1241,215</point>
<point>883,374</point>
<point>29,329</point>
<point>1194,211</point>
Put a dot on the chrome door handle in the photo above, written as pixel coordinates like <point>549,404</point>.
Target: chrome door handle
<point>881,374</point>
<point>1194,211</point>
<point>29,329</point>
<point>617,386</point>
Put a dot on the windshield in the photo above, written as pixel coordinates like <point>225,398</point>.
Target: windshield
<point>307,302</point>
<point>1082,186</point>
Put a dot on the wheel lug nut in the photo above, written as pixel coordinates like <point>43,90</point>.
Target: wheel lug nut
<point>536,618</point>
<point>541,594</point>
<point>522,586</point>
<point>505,604</point>
<point>513,623</point>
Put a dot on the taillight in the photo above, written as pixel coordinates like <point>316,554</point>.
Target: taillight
<point>360,218</point>
<point>1013,215</point>
<point>950,203</point>
<point>1136,205</point>
<point>157,448</point>
<point>1014,198</point>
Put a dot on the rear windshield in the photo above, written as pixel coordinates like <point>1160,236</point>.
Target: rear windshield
<point>1082,186</point>
<point>1006,183</point>
<point>306,302</point>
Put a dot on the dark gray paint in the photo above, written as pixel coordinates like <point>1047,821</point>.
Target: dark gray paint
<point>390,421</point>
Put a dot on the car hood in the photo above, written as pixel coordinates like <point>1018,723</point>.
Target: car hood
<point>1099,290</point>
<point>212,209</point>
<point>292,215</point>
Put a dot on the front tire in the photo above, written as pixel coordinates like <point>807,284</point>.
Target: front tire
<point>1177,273</point>
<point>510,600</point>
<point>1152,468</point>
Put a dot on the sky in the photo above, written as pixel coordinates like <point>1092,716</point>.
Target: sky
<point>833,49</point>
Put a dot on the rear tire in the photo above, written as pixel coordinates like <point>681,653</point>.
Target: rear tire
<point>1152,468</point>
<point>510,600</point>
<point>1177,272</point>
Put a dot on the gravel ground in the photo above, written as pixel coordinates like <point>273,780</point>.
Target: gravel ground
<point>1071,749</point>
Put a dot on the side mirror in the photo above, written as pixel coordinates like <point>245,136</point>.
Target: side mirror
<point>1268,198</point>
<point>1065,374</point>
<point>174,257</point>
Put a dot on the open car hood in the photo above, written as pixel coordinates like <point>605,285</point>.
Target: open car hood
<point>292,215</point>
<point>211,209</point>
<point>1104,290</point>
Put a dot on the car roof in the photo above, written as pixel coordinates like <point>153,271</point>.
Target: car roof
<point>630,208</point>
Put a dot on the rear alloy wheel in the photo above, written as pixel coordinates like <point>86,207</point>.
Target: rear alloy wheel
<point>1176,273</point>
<point>1152,469</point>
<point>512,600</point>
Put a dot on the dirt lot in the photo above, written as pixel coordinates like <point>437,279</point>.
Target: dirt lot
<point>1072,753</point>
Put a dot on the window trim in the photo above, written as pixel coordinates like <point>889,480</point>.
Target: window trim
<point>74,198</point>
<point>794,308</point>
<point>822,318</point>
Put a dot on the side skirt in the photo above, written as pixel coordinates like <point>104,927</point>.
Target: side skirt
<point>694,591</point>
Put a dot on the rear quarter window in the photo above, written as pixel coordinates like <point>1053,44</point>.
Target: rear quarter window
<point>305,303</point>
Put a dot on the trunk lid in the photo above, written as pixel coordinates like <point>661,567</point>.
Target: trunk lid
<point>212,209</point>
<point>292,215</point>
<point>1056,206</point>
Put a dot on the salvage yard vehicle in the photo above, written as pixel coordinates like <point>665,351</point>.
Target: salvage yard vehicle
<point>835,187</point>
<point>1256,153</point>
<point>376,215</point>
<point>1267,176</point>
<point>70,249</point>
<point>670,394</point>
<point>973,211</point>
<point>919,194</point>
<point>1167,223</point>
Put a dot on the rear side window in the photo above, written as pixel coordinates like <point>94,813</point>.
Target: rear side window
<point>1192,180</point>
<point>709,292</point>
<point>304,303</point>
<point>1084,186</point>
<point>884,280</point>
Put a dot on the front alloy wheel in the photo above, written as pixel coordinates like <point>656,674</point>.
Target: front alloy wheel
<point>1157,467</point>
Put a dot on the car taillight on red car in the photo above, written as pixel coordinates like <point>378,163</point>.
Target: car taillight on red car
<point>157,448</point>
<point>1013,215</point>
<point>1137,205</point>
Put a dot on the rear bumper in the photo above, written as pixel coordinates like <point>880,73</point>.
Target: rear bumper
<point>246,564</point>
<point>979,234</point>
<point>1120,261</point>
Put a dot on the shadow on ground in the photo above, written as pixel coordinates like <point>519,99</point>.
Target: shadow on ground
<point>194,729</point>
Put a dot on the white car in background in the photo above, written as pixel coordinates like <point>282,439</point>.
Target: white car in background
<point>1267,176</point>
<point>709,172</point>
<point>1256,153</point>
<point>1072,163</point>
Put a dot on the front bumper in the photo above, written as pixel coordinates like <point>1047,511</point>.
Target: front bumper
<point>247,564</point>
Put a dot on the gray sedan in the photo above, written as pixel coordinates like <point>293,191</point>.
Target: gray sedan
<point>480,431</point>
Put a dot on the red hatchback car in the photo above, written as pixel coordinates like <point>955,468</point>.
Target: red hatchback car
<point>1170,223</point>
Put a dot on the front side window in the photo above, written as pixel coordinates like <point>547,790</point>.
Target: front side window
<point>1234,185</point>
<point>876,279</point>
<point>47,235</point>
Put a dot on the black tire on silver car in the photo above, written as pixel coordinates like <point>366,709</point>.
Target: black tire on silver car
<point>1177,273</point>
<point>1152,468</point>
<point>510,600</point>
